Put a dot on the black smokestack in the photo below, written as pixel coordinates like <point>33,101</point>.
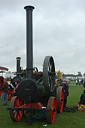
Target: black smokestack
<point>29,41</point>
<point>18,65</point>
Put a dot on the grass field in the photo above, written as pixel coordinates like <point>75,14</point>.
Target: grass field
<point>64,120</point>
<point>72,82</point>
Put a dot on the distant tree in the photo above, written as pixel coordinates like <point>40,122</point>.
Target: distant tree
<point>84,74</point>
<point>79,74</point>
<point>68,75</point>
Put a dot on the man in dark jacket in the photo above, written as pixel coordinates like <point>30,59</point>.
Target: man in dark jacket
<point>66,92</point>
<point>82,98</point>
<point>4,96</point>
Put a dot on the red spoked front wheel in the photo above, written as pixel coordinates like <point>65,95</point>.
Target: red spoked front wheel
<point>16,115</point>
<point>52,104</point>
<point>60,99</point>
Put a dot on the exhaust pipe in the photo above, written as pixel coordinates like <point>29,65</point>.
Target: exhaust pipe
<point>18,70</point>
<point>29,41</point>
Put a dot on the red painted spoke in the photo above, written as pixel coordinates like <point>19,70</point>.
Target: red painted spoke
<point>17,102</point>
<point>18,116</point>
<point>15,115</point>
<point>20,113</point>
<point>53,112</point>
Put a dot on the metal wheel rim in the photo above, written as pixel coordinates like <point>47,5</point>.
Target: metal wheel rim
<point>60,99</point>
<point>51,115</point>
<point>16,115</point>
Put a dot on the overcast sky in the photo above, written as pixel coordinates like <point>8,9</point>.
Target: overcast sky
<point>58,31</point>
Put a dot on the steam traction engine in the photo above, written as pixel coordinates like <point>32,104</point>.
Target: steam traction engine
<point>37,91</point>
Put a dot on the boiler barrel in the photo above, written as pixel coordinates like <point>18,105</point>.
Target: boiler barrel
<point>29,90</point>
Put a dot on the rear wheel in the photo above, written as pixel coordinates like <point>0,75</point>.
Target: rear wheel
<point>52,104</point>
<point>60,99</point>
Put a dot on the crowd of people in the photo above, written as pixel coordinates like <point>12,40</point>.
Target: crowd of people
<point>65,85</point>
<point>80,81</point>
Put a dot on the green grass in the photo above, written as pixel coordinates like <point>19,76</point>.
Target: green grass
<point>73,82</point>
<point>65,119</point>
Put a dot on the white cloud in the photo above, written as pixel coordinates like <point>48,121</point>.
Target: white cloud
<point>58,30</point>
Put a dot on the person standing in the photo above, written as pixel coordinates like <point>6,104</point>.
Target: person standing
<point>84,82</point>
<point>82,98</point>
<point>4,96</point>
<point>66,92</point>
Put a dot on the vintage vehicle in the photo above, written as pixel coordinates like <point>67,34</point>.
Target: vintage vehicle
<point>37,92</point>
